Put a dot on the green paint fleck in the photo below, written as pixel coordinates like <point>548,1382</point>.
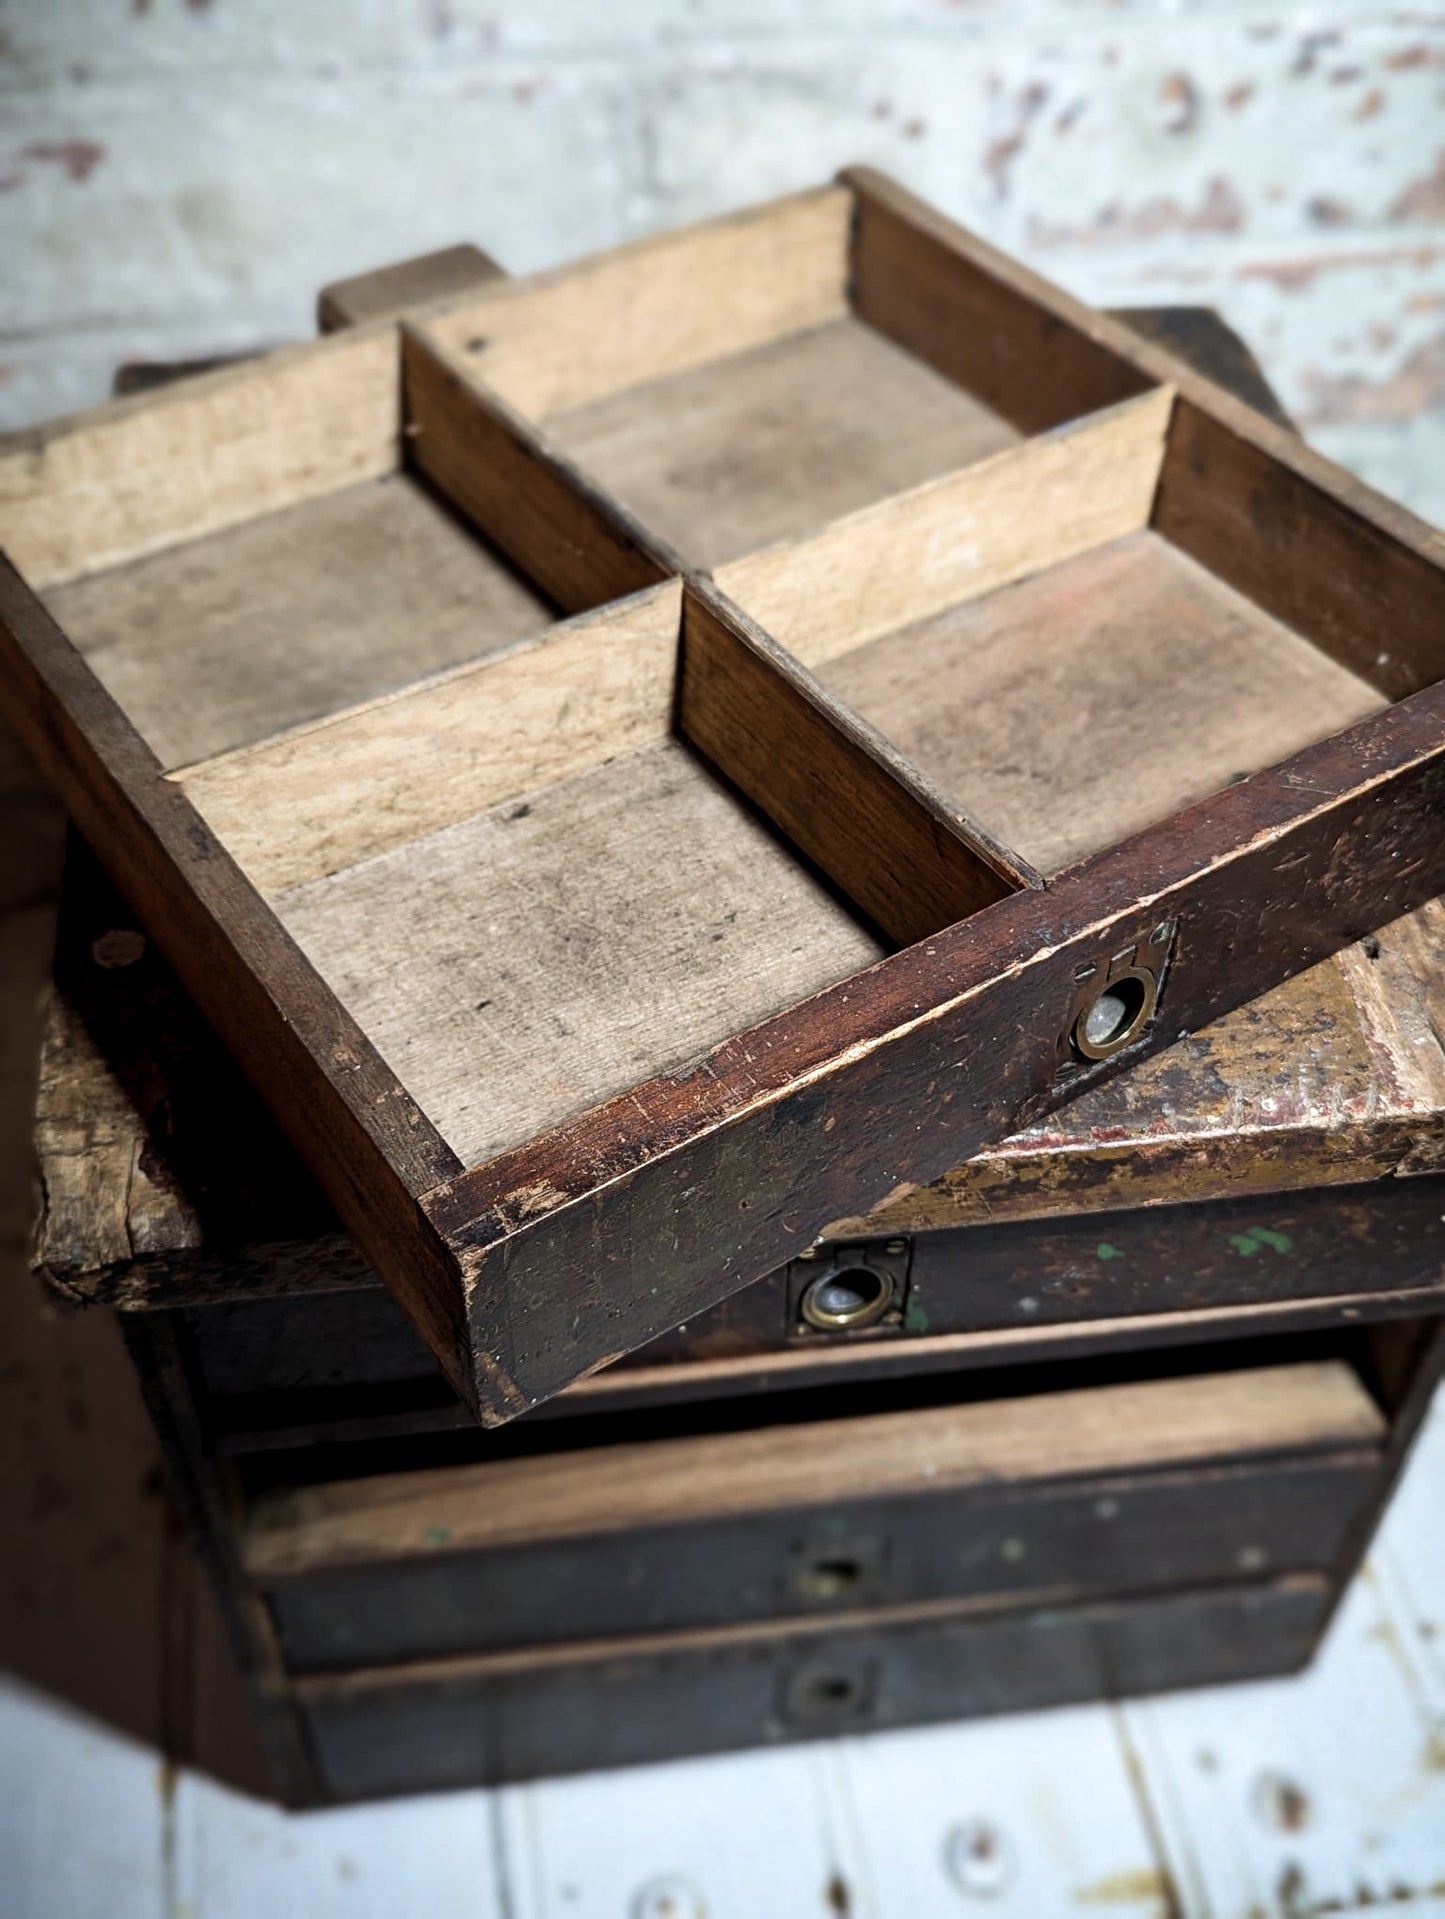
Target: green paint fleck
<point>437,1536</point>
<point>915,1320</point>
<point>1106,1251</point>
<point>1258,1237</point>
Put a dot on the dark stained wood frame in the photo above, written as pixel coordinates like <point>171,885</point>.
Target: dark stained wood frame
<point>536,1268</point>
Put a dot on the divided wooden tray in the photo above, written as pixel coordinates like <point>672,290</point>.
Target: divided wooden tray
<point>601,928</point>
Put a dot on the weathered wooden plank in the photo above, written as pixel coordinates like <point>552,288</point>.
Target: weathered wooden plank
<point>611,1703</point>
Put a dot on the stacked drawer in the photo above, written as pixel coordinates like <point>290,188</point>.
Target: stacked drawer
<point>1108,1409</point>
<point>589,1604</point>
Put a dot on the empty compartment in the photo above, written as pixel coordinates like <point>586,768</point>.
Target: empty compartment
<point>530,892</point>
<point>1032,638</point>
<point>1081,1493</point>
<point>754,377</point>
<point>251,549</point>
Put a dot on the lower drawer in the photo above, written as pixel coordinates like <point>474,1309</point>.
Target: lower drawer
<point>1066,1496</point>
<point>511,1716</point>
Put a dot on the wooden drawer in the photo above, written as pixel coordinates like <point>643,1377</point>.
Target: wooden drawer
<point>326,1365</point>
<point>1065,1496</point>
<point>519,1715</point>
<point>606,929</point>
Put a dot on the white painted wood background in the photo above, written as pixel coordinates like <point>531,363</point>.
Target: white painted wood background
<point>178,176</point>
<point>1286,1799</point>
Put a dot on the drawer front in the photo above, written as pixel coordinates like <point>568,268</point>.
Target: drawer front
<point>1268,1248</point>
<point>1140,1486</point>
<point>519,1717</point>
<point>1109,1535</point>
<point>347,1364</point>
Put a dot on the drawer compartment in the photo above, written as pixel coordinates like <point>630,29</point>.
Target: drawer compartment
<point>520,1715</point>
<point>1064,1496</point>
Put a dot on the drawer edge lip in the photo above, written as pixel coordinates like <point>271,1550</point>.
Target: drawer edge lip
<point>322,1689</point>
<point>277,1571</point>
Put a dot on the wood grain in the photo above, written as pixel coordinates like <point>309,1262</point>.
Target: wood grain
<point>1316,555</point>
<point>1018,343</point>
<point>956,538</point>
<point>543,955</point>
<point>773,442</point>
<point>232,637</point>
<point>1240,491</point>
<point>908,859</point>
<point>559,339</point>
<point>1249,876</point>
<point>1091,700</point>
<point>356,1124</point>
<point>140,474</point>
<point>577,544</point>
<point>1153,1424</point>
<point>361,782</point>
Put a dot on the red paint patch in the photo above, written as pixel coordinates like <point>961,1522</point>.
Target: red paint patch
<point>1238,95</point>
<point>1221,211</point>
<point>999,155</point>
<point>1416,387</point>
<point>1423,199</point>
<point>1180,99</point>
<point>1409,59</point>
<point>1370,105</point>
<point>1293,276</point>
<point>80,158</point>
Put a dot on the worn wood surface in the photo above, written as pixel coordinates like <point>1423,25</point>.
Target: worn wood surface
<point>313,800</point>
<point>816,1101</point>
<point>229,638</point>
<point>391,289</point>
<point>140,1209</point>
<point>517,1715</point>
<point>1083,1541</point>
<point>635,915</point>
<point>840,791</point>
<point>1091,700</point>
<point>1199,1804</point>
<point>574,540</point>
<point>909,557</point>
<point>143,473</point>
<point>767,444</point>
<point>1160,1484</point>
<point>557,340</point>
<point>1151,1424</point>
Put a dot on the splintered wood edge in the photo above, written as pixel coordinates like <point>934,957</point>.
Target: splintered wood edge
<point>958,537</point>
<point>290,809</point>
<point>1151,1425</point>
